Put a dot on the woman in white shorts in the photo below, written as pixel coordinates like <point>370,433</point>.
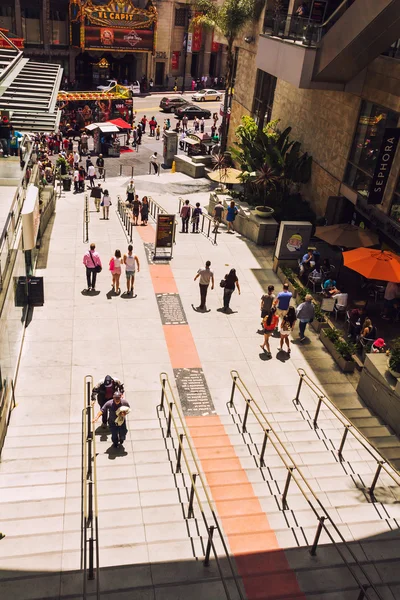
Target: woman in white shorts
<point>131,262</point>
<point>115,268</point>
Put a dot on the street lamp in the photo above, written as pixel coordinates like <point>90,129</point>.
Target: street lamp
<point>189,16</point>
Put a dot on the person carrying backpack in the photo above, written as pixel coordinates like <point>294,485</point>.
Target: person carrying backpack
<point>196,218</point>
<point>104,391</point>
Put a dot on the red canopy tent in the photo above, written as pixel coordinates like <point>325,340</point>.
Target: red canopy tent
<point>120,123</point>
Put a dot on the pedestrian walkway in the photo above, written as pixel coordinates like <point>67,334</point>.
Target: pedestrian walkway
<point>149,549</point>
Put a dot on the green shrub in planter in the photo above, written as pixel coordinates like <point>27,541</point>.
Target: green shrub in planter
<point>318,314</point>
<point>345,349</point>
<point>394,355</point>
<point>332,334</point>
<point>302,292</point>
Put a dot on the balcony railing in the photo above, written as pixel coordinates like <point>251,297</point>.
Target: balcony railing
<point>302,29</point>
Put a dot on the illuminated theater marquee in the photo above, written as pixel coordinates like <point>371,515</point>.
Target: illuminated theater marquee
<point>116,25</point>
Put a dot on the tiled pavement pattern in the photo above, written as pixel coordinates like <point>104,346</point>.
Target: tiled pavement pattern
<point>147,546</point>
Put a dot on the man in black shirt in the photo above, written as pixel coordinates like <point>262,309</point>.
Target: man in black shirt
<point>6,130</point>
<point>100,165</point>
<point>96,194</point>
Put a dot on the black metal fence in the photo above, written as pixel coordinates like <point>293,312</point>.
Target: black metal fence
<point>207,225</point>
<point>86,219</point>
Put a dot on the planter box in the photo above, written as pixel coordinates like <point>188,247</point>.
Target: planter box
<point>317,325</point>
<point>347,366</point>
<point>284,279</point>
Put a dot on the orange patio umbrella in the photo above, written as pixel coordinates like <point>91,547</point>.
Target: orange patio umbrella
<point>374,264</point>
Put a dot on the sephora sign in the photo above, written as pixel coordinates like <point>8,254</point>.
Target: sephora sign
<point>383,165</point>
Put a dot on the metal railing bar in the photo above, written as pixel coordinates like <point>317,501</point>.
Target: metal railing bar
<point>347,424</point>
<point>205,219</point>
<point>182,427</point>
<point>238,383</point>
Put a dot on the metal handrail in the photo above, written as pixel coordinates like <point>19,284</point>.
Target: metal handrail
<point>7,405</point>
<point>271,436</point>
<point>155,209</point>
<point>168,397</point>
<point>125,214</point>
<point>349,428</point>
<point>12,63</point>
<point>86,219</point>
<point>89,485</point>
<point>204,219</point>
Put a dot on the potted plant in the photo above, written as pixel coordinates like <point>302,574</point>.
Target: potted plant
<point>301,293</point>
<point>286,275</point>
<point>66,183</point>
<point>266,179</point>
<point>62,165</point>
<point>394,358</point>
<point>319,321</point>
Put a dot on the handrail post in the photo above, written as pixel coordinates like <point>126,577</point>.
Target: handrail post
<point>298,390</point>
<point>191,498</point>
<point>162,393</point>
<point>342,443</point>
<point>262,461</point>
<point>171,404</point>
<point>120,170</point>
<point>317,411</point>
<point>376,477</point>
<point>313,550</point>
<point>91,568</point>
<point>246,414</point>
<point>285,491</point>
<point>233,391</point>
<point>361,595</point>
<point>209,545</point>
<point>178,462</point>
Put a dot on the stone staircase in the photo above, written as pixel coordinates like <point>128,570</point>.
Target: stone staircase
<point>370,529</point>
<point>29,89</point>
<point>147,544</point>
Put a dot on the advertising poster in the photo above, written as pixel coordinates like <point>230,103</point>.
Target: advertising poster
<point>293,240</point>
<point>175,60</point>
<point>196,44</point>
<point>165,231</point>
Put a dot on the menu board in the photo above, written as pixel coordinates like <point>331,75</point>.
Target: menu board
<point>165,231</point>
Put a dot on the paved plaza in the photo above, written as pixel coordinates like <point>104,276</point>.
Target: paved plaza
<point>149,549</point>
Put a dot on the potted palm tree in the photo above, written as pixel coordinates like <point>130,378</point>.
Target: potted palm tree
<point>265,179</point>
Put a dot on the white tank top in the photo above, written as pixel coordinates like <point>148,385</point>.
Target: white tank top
<point>130,263</point>
<point>117,262</point>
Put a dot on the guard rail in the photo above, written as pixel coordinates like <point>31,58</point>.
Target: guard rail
<point>294,473</point>
<point>178,426</point>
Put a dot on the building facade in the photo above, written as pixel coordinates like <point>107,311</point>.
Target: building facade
<point>130,44</point>
<point>342,121</point>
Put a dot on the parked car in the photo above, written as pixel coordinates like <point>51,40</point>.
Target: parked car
<point>192,111</point>
<point>207,96</point>
<point>134,87</point>
<point>170,104</point>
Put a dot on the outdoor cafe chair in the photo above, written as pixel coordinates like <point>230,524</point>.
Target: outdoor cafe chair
<point>315,282</point>
<point>342,307</point>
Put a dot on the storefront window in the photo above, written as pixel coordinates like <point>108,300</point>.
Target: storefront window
<point>263,97</point>
<point>59,28</point>
<point>367,142</point>
<point>6,17</point>
<point>180,17</point>
<point>31,26</point>
<point>395,210</point>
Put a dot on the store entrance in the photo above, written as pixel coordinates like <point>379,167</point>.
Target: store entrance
<point>95,68</point>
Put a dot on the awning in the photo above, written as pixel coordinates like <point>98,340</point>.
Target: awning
<point>120,123</point>
<point>106,127</point>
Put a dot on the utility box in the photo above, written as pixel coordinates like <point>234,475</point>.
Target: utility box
<point>35,291</point>
<point>170,147</point>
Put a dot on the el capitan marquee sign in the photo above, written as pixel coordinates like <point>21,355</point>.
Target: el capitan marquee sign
<point>116,26</point>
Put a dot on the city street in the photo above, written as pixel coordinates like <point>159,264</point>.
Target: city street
<point>149,106</point>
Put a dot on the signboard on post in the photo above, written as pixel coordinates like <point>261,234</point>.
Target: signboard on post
<point>293,240</point>
<point>165,234</point>
<point>383,165</point>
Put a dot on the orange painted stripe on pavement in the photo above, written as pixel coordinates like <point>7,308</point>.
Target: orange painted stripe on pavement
<point>261,562</point>
<point>163,279</point>
<point>181,347</point>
